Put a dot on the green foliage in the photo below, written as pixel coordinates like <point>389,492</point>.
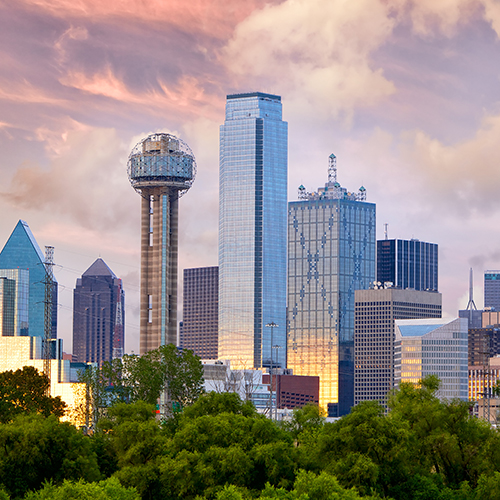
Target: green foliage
<point>24,391</point>
<point>36,449</point>
<point>214,403</point>
<point>143,378</point>
<point>110,489</point>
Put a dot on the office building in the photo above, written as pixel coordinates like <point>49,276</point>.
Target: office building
<point>161,168</point>
<point>433,347</point>
<point>492,290</point>
<point>293,391</point>
<point>331,253</point>
<point>408,264</point>
<point>199,331</point>
<point>374,315</point>
<point>98,315</point>
<point>252,231</point>
<point>14,306</point>
<point>22,252</point>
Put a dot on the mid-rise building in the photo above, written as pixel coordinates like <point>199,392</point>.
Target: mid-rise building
<point>199,332</point>
<point>408,264</point>
<point>433,347</point>
<point>331,253</point>
<point>252,231</point>
<point>492,290</point>
<point>22,252</point>
<point>14,306</point>
<point>374,316</point>
<point>98,315</point>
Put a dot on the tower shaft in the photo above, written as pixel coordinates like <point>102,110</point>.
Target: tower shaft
<point>159,243</point>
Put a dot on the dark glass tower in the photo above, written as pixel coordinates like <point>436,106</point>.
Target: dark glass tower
<point>98,315</point>
<point>492,289</point>
<point>252,231</point>
<point>199,332</point>
<point>408,264</point>
<point>22,252</point>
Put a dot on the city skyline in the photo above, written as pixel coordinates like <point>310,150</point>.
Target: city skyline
<point>405,95</point>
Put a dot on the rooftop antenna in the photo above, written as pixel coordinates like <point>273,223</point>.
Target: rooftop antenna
<point>332,169</point>
<point>386,225</point>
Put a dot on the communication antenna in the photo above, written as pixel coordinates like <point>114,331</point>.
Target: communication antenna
<point>332,169</point>
<point>385,231</point>
<point>47,337</point>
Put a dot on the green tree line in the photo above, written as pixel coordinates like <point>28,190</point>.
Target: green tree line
<point>218,447</point>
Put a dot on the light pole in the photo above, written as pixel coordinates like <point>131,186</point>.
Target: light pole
<point>276,406</point>
<point>271,325</point>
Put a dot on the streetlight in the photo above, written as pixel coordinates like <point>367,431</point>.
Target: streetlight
<point>271,325</point>
<point>276,407</point>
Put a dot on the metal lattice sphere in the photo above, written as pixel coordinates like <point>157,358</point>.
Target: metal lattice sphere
<point>161,160</point>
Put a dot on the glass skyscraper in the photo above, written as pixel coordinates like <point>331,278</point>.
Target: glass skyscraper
<point>252,231</point>
<point>492,289</point>
<point>409,264</point>
<point>22,252</point>
<point>98,315</point>
<point>331,253</point>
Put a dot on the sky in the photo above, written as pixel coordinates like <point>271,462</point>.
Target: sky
<point>406,94</point>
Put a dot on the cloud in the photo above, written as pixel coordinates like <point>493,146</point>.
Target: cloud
<point>214,17</point>
<point>85,181</point>
<point>316,51</point>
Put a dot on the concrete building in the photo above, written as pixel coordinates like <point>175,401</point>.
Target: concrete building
<point>252,231</point>
<point>161,168</point>
<point>98,315</point>
<point>433,347</point>
<point>408,264</point>
<point>22,252</point>
<point>200,323</point>
<point>331,253</point>
<point>374,316</point>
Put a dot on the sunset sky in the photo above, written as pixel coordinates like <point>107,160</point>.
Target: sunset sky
<point>405,93</point>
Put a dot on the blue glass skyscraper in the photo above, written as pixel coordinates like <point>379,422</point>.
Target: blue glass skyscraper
<point>331,253</point>
<point>409,264</point>
<point>252,231</point>
<point>22,252</point>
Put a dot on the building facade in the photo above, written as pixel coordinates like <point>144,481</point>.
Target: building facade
<point>492,289</point>
<point>374,315</point>
<point>252,231</point>
<point>408,264</point>
<point>22,252</point>
<point>433,347</point>
<point>200,323</point>
<point>14,305</point>
<point>98,315</point>
<point>331,253</point>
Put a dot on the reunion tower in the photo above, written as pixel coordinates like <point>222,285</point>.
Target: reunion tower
<point>161,168</point>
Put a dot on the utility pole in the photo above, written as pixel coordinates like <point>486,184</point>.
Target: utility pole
<point>47,337</point>
<point>276,382</point>
<point>271,325</point>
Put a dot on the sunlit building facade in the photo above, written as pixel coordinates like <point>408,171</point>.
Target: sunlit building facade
<point>433,347</point>
<point>22,252</point>
<point>375,312</point>
<point>331,253</point>
<point>252,231</point>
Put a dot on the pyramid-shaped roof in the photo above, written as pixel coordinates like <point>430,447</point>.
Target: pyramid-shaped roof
<point>99,268</point>
<point>21,239</point>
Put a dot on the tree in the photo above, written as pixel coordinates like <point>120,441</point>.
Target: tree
<point>110,489</point>
<point>37,449</point>
<point>24,391</point>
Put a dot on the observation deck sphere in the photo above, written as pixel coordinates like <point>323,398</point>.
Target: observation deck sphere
<point>161,160</point>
